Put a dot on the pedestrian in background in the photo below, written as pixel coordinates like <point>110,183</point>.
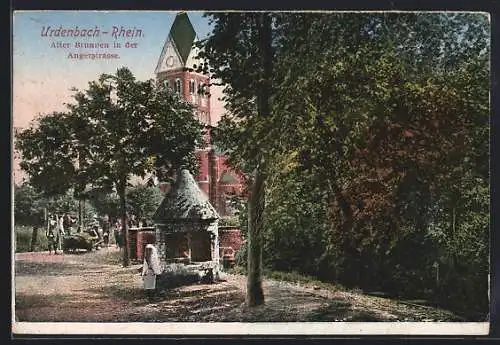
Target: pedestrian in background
<point>105,230</point>
<point>68,224</point>
<point>52,234</point>
<point>118,233</point>
<point>61,232</point>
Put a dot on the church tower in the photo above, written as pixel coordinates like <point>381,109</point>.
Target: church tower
<point>177,57</point>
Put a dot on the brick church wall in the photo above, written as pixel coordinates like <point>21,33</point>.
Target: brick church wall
<point>230,237</point>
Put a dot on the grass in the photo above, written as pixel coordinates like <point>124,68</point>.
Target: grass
<point>296,277</point>
<point>23,242</point>
<point>106,257</point>
<point>236,270</point>
<point>292,277</point>
<point>37,301</point>
<point>23,239</point>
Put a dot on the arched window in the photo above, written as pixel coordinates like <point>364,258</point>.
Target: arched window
<point>201,89</point>
<point>192,87</point>
<point>177,86</point>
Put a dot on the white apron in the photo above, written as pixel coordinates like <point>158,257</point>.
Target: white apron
<point>149,271</point>
<point>149,280</point>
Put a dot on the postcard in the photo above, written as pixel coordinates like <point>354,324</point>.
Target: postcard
<point>250,173</point>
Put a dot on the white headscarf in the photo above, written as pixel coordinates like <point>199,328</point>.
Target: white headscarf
<point>154,261</point>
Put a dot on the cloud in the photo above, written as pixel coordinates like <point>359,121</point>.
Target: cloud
<point>43,95</point>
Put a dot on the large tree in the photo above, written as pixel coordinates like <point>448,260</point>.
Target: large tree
<point>53,154</point>
<point>384,117</point>
<point>239,53</point>
<point>47,154</point>
<point>385,98</point>
<point>131,128</point>
<point>390,113</point>
<point>138,128</point>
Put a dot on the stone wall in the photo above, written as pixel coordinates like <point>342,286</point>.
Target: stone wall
<point>214,230</point>
<point>175,244</point>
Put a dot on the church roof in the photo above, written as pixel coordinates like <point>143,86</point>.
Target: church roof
<point>185,202</point>
<point>183,34</point>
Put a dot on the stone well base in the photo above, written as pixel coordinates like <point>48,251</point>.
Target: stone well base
<point>177,274</point>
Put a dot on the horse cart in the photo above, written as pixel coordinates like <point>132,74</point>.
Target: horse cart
<point>82,240</point>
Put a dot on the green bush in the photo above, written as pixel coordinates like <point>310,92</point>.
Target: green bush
<point>241,255</point>
<point>229,221</point>
<point>23,236</point>
<point>297,277</point>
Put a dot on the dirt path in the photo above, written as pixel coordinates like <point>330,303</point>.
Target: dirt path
<point>93,287</point>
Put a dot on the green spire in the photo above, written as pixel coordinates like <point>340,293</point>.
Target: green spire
<point>183,34</point>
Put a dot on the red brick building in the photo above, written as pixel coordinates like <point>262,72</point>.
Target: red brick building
<point>215,178</point>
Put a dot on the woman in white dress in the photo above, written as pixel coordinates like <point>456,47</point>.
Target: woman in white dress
<point>150,268</point>
<point>62,233</point>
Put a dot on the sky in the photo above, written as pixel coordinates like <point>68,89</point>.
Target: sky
<point>43,75</point>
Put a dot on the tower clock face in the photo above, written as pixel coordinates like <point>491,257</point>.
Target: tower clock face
<point>169,61</point>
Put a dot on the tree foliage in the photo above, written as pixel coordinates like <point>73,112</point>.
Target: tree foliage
<point>143,201</point>
<point>378,136</point>
<point>47,155</point>
<point>116,128</point>
<point>29,205</point>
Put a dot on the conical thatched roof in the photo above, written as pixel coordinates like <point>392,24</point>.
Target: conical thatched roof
<point>185,202</point>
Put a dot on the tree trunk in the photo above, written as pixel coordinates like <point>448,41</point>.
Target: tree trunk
<point>34,238</point>
<point>343,204</point>
<point>84,211</point>
<point>123,211</point>
<point>212,191</point>
<point>80,215</point>
<point>81,188</point>
<point>255,293</point>
<point>256,205</point>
